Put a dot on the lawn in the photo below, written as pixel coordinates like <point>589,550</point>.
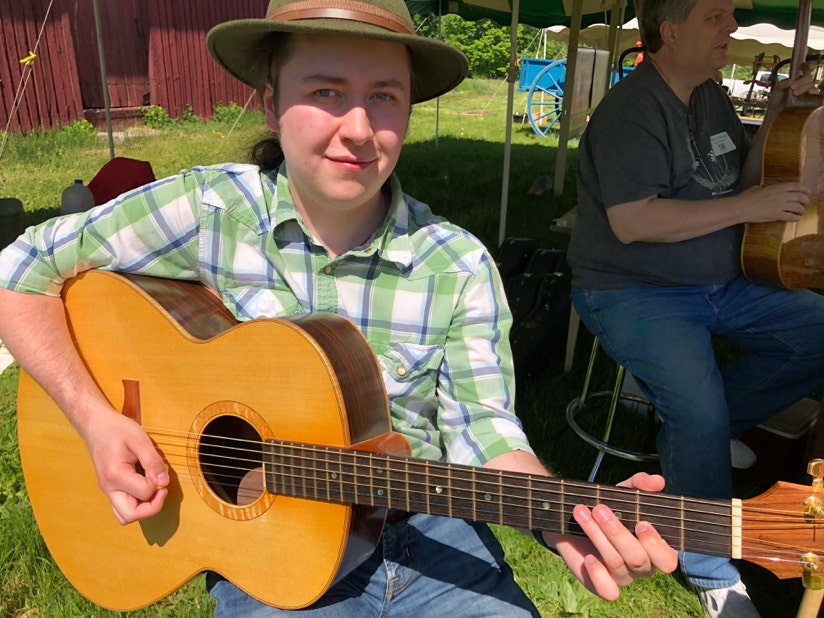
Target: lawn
<point>453,160</point>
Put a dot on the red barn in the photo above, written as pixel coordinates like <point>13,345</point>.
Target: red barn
<point>155,54</point>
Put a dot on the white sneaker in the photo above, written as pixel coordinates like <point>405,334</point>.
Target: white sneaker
<point>743,456</point>
<point>732,602</point>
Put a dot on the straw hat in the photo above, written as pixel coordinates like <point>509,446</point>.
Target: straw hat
<point>239,45</point>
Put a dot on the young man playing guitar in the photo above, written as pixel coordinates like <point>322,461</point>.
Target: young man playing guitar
<point>320,224</point>
<point>667,181</point>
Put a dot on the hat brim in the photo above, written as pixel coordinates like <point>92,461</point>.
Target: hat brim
<point>239,47</point>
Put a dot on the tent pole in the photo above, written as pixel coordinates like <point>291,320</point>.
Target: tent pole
<point>566,105</point>
<point>102,56</point>
<point>511,77</point>
<point>438,100</point>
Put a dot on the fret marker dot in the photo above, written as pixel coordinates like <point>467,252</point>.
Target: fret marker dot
<point>380,492</point>
<point>617,514</point>
<point>438,490</point>
<point>487,497</point>
<point>545,506</point>
<point>334,475</point>
<point>378,471</point>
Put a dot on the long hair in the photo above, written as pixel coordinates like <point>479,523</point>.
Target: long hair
<point>266,153</point>
<point>652,13</point>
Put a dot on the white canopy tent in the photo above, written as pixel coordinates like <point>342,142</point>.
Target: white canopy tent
<point>747,42</point>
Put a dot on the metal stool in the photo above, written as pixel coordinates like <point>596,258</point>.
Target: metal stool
<point>603,445</point>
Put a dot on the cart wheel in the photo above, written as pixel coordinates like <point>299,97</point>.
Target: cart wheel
<point>546,97</point>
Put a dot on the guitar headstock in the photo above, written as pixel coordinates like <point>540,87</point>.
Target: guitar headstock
<point>783,529</point>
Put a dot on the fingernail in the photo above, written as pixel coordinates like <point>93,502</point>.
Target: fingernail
<point>601,514</point>
<point>163,478</point>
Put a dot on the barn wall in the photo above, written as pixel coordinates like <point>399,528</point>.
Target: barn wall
<point>155,53</point>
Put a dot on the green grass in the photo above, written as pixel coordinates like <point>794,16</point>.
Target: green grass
<point>460,176</point>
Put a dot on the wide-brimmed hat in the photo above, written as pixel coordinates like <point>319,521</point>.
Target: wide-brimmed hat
<point>238,45</point>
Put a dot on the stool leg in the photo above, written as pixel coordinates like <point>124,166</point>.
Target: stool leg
<point>588,376</point>
<point>613,406</point>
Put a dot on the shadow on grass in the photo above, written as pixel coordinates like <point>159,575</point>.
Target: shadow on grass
<point>462,179</point>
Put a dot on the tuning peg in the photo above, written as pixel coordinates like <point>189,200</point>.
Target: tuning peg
<point>816,470</point>
<point>811,576</point>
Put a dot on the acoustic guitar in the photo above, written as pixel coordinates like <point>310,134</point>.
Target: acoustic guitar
<point>283,463</point>
<point>789,254</point>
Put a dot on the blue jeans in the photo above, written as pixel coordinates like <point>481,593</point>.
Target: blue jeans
<point>424,566</point>
<point>663,336</point>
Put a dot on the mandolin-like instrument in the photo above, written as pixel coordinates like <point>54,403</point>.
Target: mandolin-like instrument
<point>789,254</point>
<point>283,463</point>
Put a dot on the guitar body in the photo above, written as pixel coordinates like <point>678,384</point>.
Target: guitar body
<point>782,253</point>
<point>193,373</point>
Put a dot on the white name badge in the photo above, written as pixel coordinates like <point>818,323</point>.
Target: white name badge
<point>721,144</point>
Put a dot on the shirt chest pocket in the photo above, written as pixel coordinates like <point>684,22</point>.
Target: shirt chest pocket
<point>411,369</point>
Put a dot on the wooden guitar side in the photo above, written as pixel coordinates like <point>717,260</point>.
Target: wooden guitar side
<point>781,253</point>
<point>778,252</point>
<point>271,376</point>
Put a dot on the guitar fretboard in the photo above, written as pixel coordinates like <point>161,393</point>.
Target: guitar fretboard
<point>344,476</point>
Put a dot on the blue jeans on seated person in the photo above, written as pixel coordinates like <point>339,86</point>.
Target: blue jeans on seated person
<point>663,335</point>
<point>424,566</point>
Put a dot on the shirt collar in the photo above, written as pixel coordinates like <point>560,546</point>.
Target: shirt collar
<point>391,240</point>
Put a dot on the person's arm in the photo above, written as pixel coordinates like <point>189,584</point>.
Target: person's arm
<point>33,327</point>
<point>657,219</point>
<point>610,556</point>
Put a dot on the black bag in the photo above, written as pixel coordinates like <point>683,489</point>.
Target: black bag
<point>537,289</point>
<point>540,336</point>
<point>514,255</point>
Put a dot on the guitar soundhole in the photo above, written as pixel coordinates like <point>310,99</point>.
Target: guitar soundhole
<point>230,459</point>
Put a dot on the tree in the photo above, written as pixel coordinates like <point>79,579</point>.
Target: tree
<point>486,43</point>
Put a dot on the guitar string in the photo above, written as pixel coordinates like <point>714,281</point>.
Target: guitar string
<point>789,555</point>
<point>495,476</point>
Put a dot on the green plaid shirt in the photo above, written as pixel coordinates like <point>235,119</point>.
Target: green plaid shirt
<point>424,292</point>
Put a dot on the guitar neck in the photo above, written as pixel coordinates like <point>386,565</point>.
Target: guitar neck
<point>524,501</point>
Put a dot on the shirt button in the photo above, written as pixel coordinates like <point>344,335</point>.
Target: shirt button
<point>327,270</point>
<point>401,371</point>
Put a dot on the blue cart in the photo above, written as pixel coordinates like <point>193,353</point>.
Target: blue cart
<point>544,79</point>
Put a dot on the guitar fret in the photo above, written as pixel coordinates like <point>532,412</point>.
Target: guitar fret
<point>406,484</point>
<point>500,499</point>
<point>530,524</point>
<point>397,480</point>
<point>382,489</point>
<point>448,496</point>
<point>562,503</point>
<point>464,493</point>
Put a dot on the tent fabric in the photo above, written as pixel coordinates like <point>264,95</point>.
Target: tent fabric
<point>545,13</point>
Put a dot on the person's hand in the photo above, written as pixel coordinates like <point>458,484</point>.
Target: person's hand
<point>802,85</point>
<point>130,471</point>
<point>610,556</point>
<point>785,201</point>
